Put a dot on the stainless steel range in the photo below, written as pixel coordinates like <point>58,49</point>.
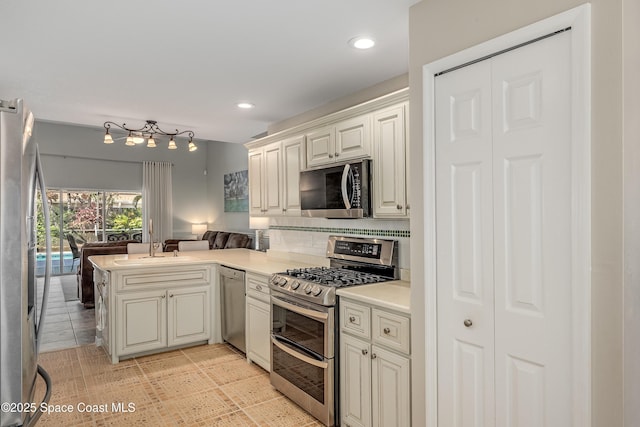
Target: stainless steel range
<point>304,363</point>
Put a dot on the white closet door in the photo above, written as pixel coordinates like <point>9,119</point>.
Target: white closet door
<point>533,229</point>
<point>464,246</point>
<point>503,195</point>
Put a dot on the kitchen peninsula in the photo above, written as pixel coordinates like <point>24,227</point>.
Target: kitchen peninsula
<point>153,304</point>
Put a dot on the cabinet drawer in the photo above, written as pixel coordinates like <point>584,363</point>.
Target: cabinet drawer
<point>355,319</point>
<point>391,330</point>
<point>174,276</point>
<point>258,287</point>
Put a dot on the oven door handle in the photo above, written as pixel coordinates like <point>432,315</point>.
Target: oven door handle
<point>297,355</point>
<point>322,317</point>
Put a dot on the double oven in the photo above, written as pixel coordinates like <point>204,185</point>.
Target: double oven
<point>304,320</point>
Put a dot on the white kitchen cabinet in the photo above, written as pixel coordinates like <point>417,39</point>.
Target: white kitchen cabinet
<point>390,162</point>
<point>258,320</point>
<point>375,366</point>
<point>345,140</point>
<point>265,180</point>
<point>146,311</point>
<point>293,161</point>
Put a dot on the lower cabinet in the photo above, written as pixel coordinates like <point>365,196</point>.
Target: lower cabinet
<point>258,320</point>
<point>153,320</point>
<point>375,383</point>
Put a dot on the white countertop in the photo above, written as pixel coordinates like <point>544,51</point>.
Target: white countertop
<point>242,259</point>
<point>395,295</point>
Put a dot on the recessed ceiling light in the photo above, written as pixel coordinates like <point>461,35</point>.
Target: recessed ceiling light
<point>245,105</point>
<point>362,42</point>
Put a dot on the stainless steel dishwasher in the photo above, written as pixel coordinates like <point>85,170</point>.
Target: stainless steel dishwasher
<point>232,302</point>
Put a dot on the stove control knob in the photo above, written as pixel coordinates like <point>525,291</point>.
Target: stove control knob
<point>316,290</point>
<point>307,288</point>
<point>282,281</point>
<point>295,285</point>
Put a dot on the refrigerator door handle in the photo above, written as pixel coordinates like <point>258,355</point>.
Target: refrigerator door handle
<point>47,268</point>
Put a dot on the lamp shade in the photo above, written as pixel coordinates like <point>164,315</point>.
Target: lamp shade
<point>258,223</point>
<point>198,229</point>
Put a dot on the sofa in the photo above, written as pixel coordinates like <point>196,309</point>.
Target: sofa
<point>85,271</point>
<point>217,240</point>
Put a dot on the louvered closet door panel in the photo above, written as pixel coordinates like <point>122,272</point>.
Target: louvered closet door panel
<point>532,211</point>
<point>464,218</point>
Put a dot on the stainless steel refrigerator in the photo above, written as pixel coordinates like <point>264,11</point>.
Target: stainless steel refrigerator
<point>21,311</point>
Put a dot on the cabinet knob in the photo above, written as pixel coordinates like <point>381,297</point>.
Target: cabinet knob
<point>352,319</point>
<point>164,296</point>
<point>331,156</point>
<point>364,351</point>
<point>373,356</point>
<point>170,295</point>
<point>398,207</point>
<point>284,210</point>
<point>468,323</point>
<point>408,207</point>
<point>386,331</point>
<point>258,287</point>
<point>337,154</point>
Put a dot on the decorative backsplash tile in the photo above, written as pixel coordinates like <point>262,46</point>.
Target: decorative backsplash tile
<point>309,235</point>
<point>358,231</point>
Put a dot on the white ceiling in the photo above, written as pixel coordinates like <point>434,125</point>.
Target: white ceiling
<point>188,63</point>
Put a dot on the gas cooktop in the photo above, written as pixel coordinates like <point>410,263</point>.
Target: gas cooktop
<point>354,261</point>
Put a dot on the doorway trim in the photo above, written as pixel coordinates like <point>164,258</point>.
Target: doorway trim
<point>579,19</point>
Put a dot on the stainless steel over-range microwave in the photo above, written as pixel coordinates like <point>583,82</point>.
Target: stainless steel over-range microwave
<point>340,191</point>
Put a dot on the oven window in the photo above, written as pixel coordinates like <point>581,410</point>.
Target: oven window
<point>306,377</point>
<point>304,331</point>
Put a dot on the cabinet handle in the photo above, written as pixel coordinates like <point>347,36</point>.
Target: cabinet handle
<point>398,207</point>
<point>337,154</point>
<point>170,295</point>
<point>258,288</point>
<point>386,331</point>
<point>467,323</point>
<point>352,319</point>
<point>284,210</point>
<point>164,296</point>
<point>364,351</point>
<point>408,207</point>
<point>373,356</point>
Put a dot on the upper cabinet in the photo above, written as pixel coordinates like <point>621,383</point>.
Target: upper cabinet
<point>274,176</point>
<point>265,180</point>
<point>346,140</point>
<point>376,129</point>
<point>390,166</point>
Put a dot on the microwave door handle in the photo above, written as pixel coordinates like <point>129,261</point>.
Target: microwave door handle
<point>345,195</point>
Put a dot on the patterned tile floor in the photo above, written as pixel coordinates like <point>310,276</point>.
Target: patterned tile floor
<point>209,385</point>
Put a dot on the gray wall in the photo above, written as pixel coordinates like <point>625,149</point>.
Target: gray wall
<point>75,157</point>
<point>439,28</point>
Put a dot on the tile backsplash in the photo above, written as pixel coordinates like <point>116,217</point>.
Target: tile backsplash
<point>309,235</point>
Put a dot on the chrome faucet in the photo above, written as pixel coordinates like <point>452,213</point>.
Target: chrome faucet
<point>152,249</point>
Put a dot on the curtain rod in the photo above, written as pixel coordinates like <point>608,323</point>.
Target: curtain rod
<point>65,156</point>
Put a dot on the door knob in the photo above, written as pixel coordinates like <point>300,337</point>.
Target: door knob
<point>467,322</point>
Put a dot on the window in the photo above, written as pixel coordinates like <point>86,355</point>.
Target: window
<point>88,216</point>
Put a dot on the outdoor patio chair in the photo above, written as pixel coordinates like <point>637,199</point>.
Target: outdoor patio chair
<point>74,250</point>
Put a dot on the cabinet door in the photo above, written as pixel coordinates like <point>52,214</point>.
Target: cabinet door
<point>391,388</point>
<point>389,164</point>
<point>355,382</point>
<point>255,182</point>
<point>188,315</point>
<point>258,333</point>
<point>293,160</point>
<point>141,322</point>
<point>272,180</point>
<point>353,138</point>
<point>321,146</point>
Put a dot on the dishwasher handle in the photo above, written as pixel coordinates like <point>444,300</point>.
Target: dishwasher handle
<point>231,273</point>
